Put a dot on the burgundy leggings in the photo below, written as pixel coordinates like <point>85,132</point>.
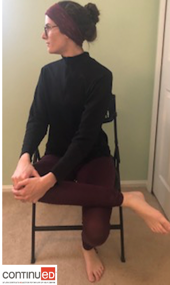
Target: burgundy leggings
<point>93,188</point>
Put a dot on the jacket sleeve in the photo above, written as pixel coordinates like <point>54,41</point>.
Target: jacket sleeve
<point>90,125</point>
<point>37,123</point>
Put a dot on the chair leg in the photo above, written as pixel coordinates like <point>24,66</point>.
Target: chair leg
<point>122,235</point>
<point>33,234</point>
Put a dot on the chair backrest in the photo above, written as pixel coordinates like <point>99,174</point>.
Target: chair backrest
<point>111,111</point>
<point>111,116</point>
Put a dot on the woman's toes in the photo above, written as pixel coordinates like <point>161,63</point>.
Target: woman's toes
<point>91,277</point>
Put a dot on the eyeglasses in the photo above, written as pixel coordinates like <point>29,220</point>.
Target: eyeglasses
<point>47,28</point>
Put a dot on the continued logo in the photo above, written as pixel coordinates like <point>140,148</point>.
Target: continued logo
<point>33,274</point>
<point>47,273</point>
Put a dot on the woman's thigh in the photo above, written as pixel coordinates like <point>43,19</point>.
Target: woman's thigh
<point>99,171</point>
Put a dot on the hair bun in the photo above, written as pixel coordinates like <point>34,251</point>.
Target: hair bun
<point>93,12</point>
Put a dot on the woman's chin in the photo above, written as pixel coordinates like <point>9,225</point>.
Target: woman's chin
<point>51,51</point>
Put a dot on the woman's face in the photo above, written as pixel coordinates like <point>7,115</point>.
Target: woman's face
<point>56,41</point>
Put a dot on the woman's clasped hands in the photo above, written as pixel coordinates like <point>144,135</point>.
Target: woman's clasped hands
<point>28,185</point>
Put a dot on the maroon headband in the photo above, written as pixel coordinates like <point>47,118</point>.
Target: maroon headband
<point>65,23</point>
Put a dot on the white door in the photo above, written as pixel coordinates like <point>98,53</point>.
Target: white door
<point>161,186</point>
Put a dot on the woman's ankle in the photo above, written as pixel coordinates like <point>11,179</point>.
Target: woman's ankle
<point>129,197</point>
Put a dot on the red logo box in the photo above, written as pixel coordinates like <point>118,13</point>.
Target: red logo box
<point>47,273</point>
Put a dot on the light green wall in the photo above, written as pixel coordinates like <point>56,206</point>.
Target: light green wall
<point>126,44</point>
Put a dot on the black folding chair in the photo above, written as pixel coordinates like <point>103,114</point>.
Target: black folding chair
<point>110,117</point>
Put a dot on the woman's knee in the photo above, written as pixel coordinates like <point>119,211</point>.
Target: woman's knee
<point>96,234</point>
<point>44,165</point>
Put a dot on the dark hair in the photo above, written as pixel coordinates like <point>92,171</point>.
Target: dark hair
<point>85,17</point>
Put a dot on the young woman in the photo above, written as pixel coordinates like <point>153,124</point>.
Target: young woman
<point>70,103</point>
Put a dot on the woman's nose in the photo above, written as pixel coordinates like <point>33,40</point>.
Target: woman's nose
<point>43,36</point>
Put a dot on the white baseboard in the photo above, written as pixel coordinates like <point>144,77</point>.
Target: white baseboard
<point>124,184</point>
<point>6,188</point>
<point>134,184</point>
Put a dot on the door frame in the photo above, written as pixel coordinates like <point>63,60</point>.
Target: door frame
<point>156,92</point>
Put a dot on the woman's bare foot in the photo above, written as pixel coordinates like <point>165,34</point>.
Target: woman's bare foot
<point>94,266</point>
<point>153,218</point>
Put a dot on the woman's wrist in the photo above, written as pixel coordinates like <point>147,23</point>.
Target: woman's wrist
<point>25,157</point>
<point>49,179</point>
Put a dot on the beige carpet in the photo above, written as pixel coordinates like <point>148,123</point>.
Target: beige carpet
<point>147,254</point>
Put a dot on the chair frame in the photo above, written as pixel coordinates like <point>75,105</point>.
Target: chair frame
<point>111,116</point>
